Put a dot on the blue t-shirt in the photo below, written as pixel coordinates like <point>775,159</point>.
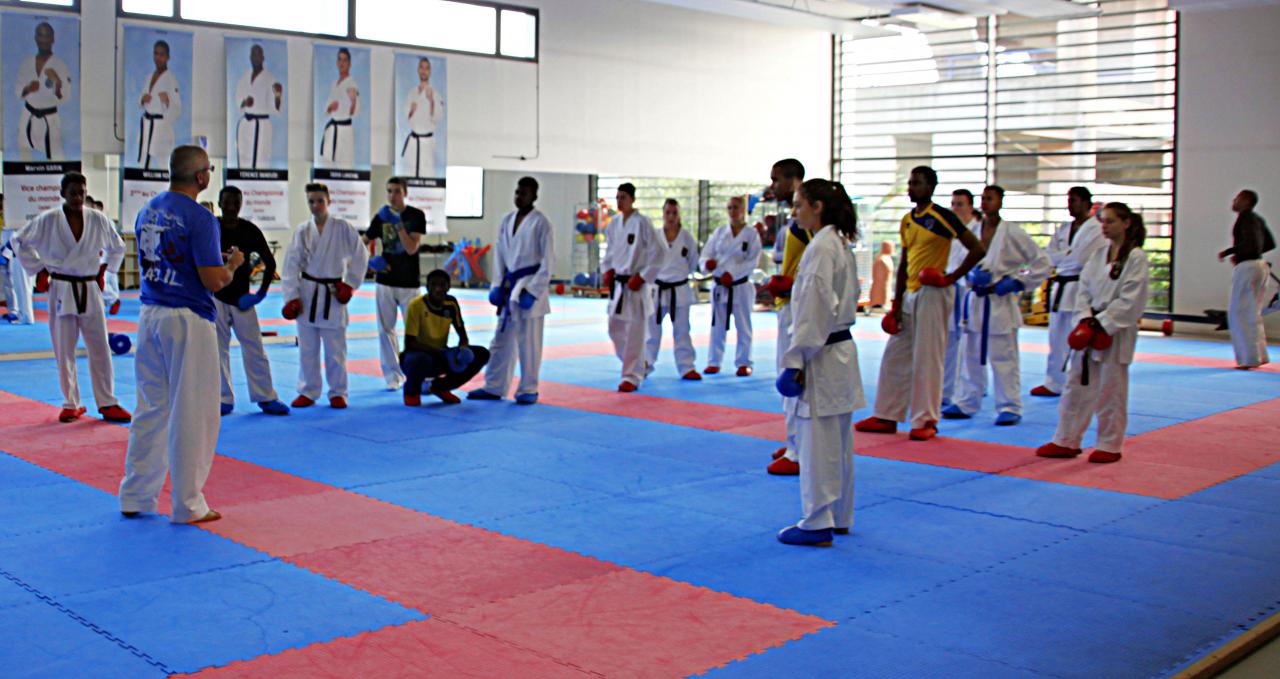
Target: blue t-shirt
<point>175,236</point>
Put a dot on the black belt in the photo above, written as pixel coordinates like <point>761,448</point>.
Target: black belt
<point>417,157</point>
<point>257,119</point>
<point>1061,283</point>
<point>839,336</point>
<point>728,308</point>
<point>79,288</point>
<point>40,113</point>
<point>335,124</point>
<point>619,279</point>
<point>664,286</point>
<point>146,130</point>
<point>315,294</point>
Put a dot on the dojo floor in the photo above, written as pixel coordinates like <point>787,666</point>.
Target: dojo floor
<point>602,534</point>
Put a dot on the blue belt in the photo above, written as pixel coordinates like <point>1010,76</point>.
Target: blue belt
<point>509,280</point>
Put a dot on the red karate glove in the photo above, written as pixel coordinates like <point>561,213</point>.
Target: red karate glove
<point>1082,336</point>
<point>343,292</point>
<point>1101,340</point>
<point>42,281</point>
<point>608,278</point>
<point>780,286</point>
<point>890,323</point>
<point>726,278</point>
<point>102,277</point>
<point>711,265</point>
<point>934,278</point>
<point>292,309</point>
<point>635,282</point>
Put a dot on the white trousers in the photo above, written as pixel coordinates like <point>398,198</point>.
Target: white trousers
<point>826,471</point>
<point>912,366</point>
<point>253,143</point>
<point>257,369</point>
<point>390,301</point>
<point>20,303</point>
<point>686,356</point>
<point>627,331</point>
<point>744,297</point>
<point>156,142</point>
<point>519,340</point>
<point>6,286</point>
<point>175,426</point>
<point>419,157</point>
<point>111,293</point>
<point>310,339</point>
<point>1248,297</point>
<point>65,330</point>
<point>1106,395</point>
<point>1003,359</point>
<point>788,413</point>
<point>31,136</point>
<point>1055,370</point>
<point>951,365</point>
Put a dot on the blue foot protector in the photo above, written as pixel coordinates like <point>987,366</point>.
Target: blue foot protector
<point>227,408</point>
<point>953,412</point>
<point>274,407</point>
<point>482,395</point>
<point>1007,419</point>
<point>526,399</point>
<point>795,535</point>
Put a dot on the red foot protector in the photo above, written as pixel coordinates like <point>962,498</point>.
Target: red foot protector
<point>426,648</point>
<point>451,567</point>
<point>635,624</point>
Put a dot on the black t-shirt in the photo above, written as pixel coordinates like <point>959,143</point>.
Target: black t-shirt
<point>403,272</point>
<point>246,236</point>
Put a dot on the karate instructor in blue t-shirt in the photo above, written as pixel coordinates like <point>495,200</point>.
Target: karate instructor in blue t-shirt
<point>175,426</point>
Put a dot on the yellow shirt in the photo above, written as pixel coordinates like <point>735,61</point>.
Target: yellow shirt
<point>430,325</point>
<point>797,239</point>
<point>926,238</point>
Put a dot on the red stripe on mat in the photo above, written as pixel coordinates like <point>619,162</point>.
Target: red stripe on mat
<point>500,606</point>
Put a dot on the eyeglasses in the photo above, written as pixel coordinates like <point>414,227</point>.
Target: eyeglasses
<point>209,169</point>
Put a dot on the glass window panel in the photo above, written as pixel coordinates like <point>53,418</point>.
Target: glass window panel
<point>58,3</point>
<point>159,8</point>
<point>324,17</point>
<point>429,23</point>
<point>519,34</point>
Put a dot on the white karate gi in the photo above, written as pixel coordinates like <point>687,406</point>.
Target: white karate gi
<point>337,253</point>
<point>257,369</point>
<point>824,301</point>
<point>737,256</point>
<point>338,140</point>
<point>39,125</point>
<point>672,297</point>
<point>418,149</point>
<point>631,248</point>
<point>1011,253</point>
<point>156,138</point>
<point>951,362</point>
<point>912,365</point>
<point>75,307</point>
<point>17,285</point>
<point>519,333</point>
<point>253,131</point>
<point>1119,304</point>
<point>1244,312</point>
<point>1068,256</point>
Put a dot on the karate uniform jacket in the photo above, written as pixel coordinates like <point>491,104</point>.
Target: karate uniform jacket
<point>632,247</point>
<point>1118,303</point>
<point>679,259</point>
<point>261,89</point>
<point>735,254</point>
<point>338,95</point>
<point>46,96</point>
<point>46,243</point>
<point>1011,253</point>
<point>532,244</point>
<point>426,115</point>
<point>336,253</point>
<point>1069,256</point>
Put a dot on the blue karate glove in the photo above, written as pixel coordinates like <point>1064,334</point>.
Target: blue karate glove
<point>526,300</point>
<point>378,263</point>
<point>249,300</point>
<point>1007,285</point>
<point>459,358</point>
<point>979,278</point>
<point>498,296</point>
<point>386,215</point>
<point>790,382</point>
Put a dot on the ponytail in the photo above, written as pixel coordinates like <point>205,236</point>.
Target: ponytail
<point>837,208</point>
<point>1135,234</point>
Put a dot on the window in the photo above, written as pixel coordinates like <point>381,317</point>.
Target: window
<point>429,23</point>
<point>519,34</point>
<point>158,8</point>
<point>1069,101</point>
<point>320,17</point>
<point>465,197</point>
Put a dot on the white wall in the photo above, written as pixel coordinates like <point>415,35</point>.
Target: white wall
<point>1228,139</point>
<point>627,88</point>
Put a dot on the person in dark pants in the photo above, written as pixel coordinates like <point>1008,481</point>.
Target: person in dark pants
<point>427,355</point>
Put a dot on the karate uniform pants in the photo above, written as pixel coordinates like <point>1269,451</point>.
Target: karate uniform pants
<point>339,146</point>
<point>420,366</point>
<point>35,147</point>
<point>1248,297</point>
<point>21,303</point>
<point>788,409</point>
<point>310,339</point>
<point>390,300</point>
<point>257,369</point>
<point>247,154</point>
<point>111,291</point>
<point>951,362</point>
<point>1004,362</point>
<point>520,339</point>
<point>912,366</point>
<point>686,356</point>
<point>1106,395</point>
<point>826,471</point>
<point>419,159</point>
<point>744,297</point>
<point>175,426</point>
<point>627,330</point>
<point>1055,370</point>
<point>65,330</point>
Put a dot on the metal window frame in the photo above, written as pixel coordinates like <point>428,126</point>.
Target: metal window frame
<point>35,8</point>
